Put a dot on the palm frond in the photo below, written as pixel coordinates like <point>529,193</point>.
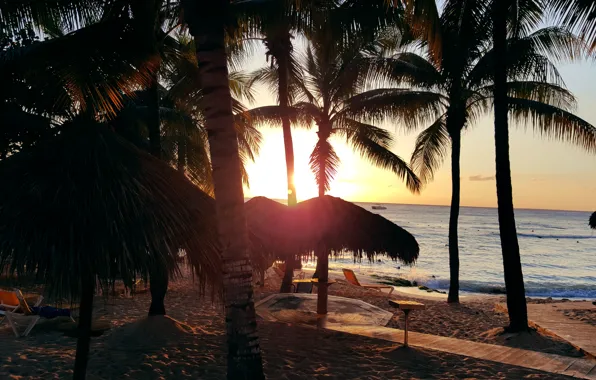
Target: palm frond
<point>553,122</point>
<point>532,57</point>
<point>525,16</point>
<point>348,128</point>
<point>541,92</point>
<point>557,43</point>
<point>198,161</point>
<point>406,69</point>
<point>249,138</point>
<point>324,163</point>
<point>272,116</point>
<point>101,74</point>
<point>241,86</point>
<point>267,76</point>
<point>373,144</point>
<point>577,14</point>
<point>243,171</point>
<point>423,16</point>
<point>74,13</point>
<point>430,150</point>
<point>410,108</point>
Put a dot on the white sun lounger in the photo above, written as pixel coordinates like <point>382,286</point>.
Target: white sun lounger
<point>14,308</point>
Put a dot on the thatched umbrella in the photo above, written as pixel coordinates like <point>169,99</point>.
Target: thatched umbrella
<point>270,242</point>
<point>330,225</point>
<point>592,221</point>
<point>88,205</point>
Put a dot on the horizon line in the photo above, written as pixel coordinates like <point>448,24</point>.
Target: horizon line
<point>282,200</point>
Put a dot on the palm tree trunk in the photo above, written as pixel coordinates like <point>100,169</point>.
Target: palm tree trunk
<point>84,329</point>
<point>453,296</point>
<point>284,102</point>
<point>158,285</point>
<point>456,118</point>
<point>244,353</point>
<point>322,270</point>
<point>514,280</point>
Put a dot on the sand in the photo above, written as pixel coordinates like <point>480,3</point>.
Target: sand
<point>476,318</point>
<point>192,345</point>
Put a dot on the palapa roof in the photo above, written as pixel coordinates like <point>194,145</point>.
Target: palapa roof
<point>592,221</point>
<point>90,203</point>
<point>338,224</point>
<point>268,220</point>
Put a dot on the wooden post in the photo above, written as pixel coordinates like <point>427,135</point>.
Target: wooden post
<point>407,314</point>
<point>322,295</point>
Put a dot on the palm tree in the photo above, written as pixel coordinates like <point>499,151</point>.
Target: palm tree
<point>279,23</point>
<point>512,268</point>
<point>514,19</point>
<point>333,83</point>
<point>451,93</point>
<point>208,30</point>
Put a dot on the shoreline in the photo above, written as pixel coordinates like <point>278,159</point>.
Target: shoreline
<point>436,294</point>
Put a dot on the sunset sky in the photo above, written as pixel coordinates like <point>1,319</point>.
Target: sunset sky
<point>546,174</point>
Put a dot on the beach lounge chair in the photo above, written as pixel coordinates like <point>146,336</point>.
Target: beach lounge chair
<point>14,308</point>
<point>351,277</point>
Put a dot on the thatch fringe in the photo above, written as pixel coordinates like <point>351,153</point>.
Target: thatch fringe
<point>340,225</point>
<point>88,203</point>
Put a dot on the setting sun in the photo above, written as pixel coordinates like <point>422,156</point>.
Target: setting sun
<point>268,174</point>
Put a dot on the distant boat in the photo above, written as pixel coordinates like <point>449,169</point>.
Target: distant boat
<point>379,207</point>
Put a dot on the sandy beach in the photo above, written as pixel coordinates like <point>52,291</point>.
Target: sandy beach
<point>161,349</point>
<point>476,318</point>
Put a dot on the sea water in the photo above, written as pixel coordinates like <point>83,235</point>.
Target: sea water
<point>558,250</point>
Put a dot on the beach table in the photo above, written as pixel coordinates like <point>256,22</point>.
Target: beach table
<point>406,307</point>
<point>310,281</point>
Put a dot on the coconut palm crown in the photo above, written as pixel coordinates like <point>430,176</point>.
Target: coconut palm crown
<point>331,78</point>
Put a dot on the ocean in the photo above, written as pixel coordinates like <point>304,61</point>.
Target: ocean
<point>558,251</point>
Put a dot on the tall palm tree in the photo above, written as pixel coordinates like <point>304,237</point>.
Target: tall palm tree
<point>277,37</point>
<point>208,30</point>
<point>511,18</point>
<point>450,94</point>
<point>512,268</point>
